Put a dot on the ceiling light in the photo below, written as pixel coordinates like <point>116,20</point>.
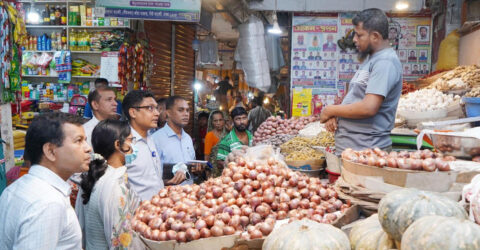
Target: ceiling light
<point>401,5</point>
<point>197,86</point>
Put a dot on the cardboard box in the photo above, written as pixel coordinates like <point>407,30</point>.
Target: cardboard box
<point>212,243</point>
<point>373,177</point>
<point>234,242</point>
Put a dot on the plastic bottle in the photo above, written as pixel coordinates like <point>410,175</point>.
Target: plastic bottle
<point>73,37</point>
<point>52,15</point>
<point>58,15</point>
<point>87,41</point>
<point>63,19</point>
<point>63,39</point>
<point>46,19</point>
<point>35,43</point>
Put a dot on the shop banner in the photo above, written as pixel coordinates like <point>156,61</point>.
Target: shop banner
<point>167,10</point>
<point>317,63</point>
<point>301,102</point>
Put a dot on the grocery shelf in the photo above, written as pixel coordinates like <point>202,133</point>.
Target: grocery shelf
<point>98,27</point>
<point>85,52</point>
<point>47,26</point>
<point>38,51</point>
<point>39,76</point>
<point>86,77</point>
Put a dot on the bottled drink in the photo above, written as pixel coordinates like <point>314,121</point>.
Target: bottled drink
<point>64,39</point>
<point>58,15</point>
<point>63,20</point>
<point>43,17</point>
<point>52,15</point>
<point>46,17</point>
<point>53,41</point>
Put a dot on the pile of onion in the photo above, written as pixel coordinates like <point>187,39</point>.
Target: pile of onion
<point>424,160</point>
<point>277,126</point>
<point>247,199</point>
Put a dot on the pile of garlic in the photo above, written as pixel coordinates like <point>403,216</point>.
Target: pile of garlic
<point>426,100</point>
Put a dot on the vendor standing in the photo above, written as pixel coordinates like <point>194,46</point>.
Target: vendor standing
<point>367,114</point>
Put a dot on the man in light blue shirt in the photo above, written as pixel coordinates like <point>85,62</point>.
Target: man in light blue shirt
<point>172,142</point>
<point>35,211</point>
<point>145,172</point>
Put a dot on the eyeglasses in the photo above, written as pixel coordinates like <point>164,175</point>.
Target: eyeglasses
<point>133,140</point>
<point>149,108</point>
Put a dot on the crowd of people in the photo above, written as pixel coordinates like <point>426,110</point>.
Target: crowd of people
<point>124,154</point>
<point>119,163</point>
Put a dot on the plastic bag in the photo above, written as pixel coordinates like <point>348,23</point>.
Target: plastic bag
<point>262,153</point>
<point>471,198</point>
<point>448,54</point>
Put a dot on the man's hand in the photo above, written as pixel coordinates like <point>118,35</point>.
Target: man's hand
<point>198,168</point>
<point>177,179</point>
<point>324,116</point>
<point>331,124</point>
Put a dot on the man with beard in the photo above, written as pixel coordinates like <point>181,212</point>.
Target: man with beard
<point>367,113</point>
<point>174,144</point>
<point>237,138</point>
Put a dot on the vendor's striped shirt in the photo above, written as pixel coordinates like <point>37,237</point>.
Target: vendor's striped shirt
<point>231,142</point>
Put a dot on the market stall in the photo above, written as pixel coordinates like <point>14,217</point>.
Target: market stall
<point>291,189</point>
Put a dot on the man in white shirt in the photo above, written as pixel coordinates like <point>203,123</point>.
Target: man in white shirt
<point>35,211</point>
<point>104,106</point>
<point>145,172</point>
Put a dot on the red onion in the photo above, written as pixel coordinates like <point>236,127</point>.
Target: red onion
<point>199,224</point>
<point>294,203</point>
<point>256,234</point>
<point>255,218</point>
<point>192,234</point>
<point>217,192</point>
<point>205,233</point>
<point>171,235</point>
<point>216,231</point>
<point>228,230</point>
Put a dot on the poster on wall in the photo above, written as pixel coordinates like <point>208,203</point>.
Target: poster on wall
<point>319,64</point>
<point>411,38</point>
<point>314,55</point>
<point>166,10</point>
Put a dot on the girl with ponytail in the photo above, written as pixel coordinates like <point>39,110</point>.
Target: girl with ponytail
<point>105,201</point>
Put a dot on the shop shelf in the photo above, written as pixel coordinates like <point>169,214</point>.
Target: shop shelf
<point>98,27</point>
<point>39,76</point>
<point>86,77</point>
<point>86,52</point>
<point>39,51</point>
<point>47,26</point>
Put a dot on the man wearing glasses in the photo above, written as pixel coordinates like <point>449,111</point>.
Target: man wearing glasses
<point>145,172</point>
<point>237,138</point>
<point>174,145</point>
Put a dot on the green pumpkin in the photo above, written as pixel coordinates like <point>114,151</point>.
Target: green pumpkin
<point>439,232</point>
<point>400,208</point>
<point>369,235</point>
<point>306,234</point>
